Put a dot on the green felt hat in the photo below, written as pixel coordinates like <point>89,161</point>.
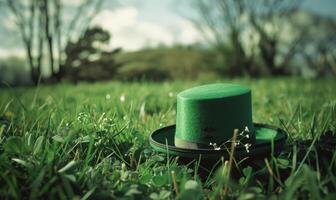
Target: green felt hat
<point>208,116</point>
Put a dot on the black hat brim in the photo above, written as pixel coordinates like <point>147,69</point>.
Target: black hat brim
<point>268,139</point>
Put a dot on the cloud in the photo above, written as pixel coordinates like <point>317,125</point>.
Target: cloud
<point>129,29</point>
<point>188,33</point>
<point>131,32</point>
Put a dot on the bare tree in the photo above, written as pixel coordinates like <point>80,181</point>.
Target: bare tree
<point>318,48</point>
<point>277,14</point>
<point>226,21</point>
<point>222,23</point>
<point>41,26</point>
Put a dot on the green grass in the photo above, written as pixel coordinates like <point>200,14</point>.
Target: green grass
<point>84,142</point>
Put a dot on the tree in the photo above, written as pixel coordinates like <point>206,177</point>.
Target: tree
<point>277,15</point>
<point>13,71</point>
<point>319,46</point>
<point>41,26</point>
<point>222,23</point>
<point>239,29</point>
<point>87,60</point>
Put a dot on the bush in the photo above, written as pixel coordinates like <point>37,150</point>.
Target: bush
<point>13,71</point>
<point>141,71</point>
<point>187,62</point>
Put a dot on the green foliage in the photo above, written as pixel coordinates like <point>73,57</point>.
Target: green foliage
<point>14,71</point>
<point>90,141</point>
<point>143,72</point>
<point>87,60</point>
<point>192,190</point>
<point>179,62</point>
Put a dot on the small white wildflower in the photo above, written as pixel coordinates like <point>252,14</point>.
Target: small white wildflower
<point>247,129</point>
<point>160,124</point>
<point>214,145</point>
<point>108,96</point>
<point>170,94</point>
<point>247,136</point>
<point>247,146</point>
<point>122,98</point>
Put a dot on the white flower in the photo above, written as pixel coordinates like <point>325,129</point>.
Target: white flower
<point>122,98</point>
<point>245,132</point>
<point>247,146</point>
<point>214,145</point>
<point>108,96</point>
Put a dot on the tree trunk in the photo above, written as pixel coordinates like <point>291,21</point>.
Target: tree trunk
<point>49,37</point>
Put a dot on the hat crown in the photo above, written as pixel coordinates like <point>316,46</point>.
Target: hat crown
<point>213,91</point>
<point>210,113</point>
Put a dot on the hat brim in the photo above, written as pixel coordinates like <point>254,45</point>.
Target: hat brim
<point>268,139</point>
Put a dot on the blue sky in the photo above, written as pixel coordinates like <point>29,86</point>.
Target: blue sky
<point>138,23</point>
<point>322,7</point>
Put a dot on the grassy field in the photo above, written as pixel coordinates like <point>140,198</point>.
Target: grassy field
<point>90,141</point>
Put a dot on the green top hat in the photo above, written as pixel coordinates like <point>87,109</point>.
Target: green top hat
<point>207,117</point>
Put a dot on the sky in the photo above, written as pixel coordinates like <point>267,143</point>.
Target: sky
<point>135,24</point>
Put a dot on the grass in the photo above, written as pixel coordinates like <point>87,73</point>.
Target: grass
<point>89,141</point>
